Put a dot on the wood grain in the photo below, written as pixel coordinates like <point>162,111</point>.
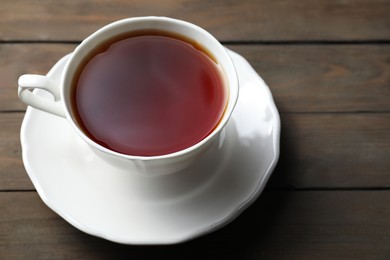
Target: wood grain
<point>246,20</point>
<point>16,60</point>
<point>333,150</point>
<point>324,78</point>
<point>303,78</point>
<point>280,225</point>
<point>12,172</point>
<point>317,151</point>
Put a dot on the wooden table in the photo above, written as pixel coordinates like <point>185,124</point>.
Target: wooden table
<point>328,66</point>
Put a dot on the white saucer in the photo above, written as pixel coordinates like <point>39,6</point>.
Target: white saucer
<point>128,208</point>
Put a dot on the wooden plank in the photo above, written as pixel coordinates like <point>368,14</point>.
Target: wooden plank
<point>19,59</point>
<point>280,225</point>
<point>312,78</point>
<point>333,150</point>
<point>303,78</point>
<point>249,20</point>
<point>12,172</point>
<point>317,150</point>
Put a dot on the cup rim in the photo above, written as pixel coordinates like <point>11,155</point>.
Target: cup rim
<point>232,100</point>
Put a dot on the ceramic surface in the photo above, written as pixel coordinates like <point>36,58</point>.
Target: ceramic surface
<point>126,207</point>
<point>61,87</point>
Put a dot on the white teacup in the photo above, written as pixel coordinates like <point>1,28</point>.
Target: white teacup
<point>61,106</point>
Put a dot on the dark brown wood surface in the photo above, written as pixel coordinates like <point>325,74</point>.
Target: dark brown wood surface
<point>229,20</point>
<point>302,77</point>
<point>328,66</point>
<point>280,225</point>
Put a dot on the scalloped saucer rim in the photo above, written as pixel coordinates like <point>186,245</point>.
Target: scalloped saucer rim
<point>158,210</point>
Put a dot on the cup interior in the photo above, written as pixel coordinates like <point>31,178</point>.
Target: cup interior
<point>178,27</point>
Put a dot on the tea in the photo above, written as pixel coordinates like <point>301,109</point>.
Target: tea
<point>150,93</point>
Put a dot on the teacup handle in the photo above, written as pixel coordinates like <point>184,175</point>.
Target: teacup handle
<point>28,82</point>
